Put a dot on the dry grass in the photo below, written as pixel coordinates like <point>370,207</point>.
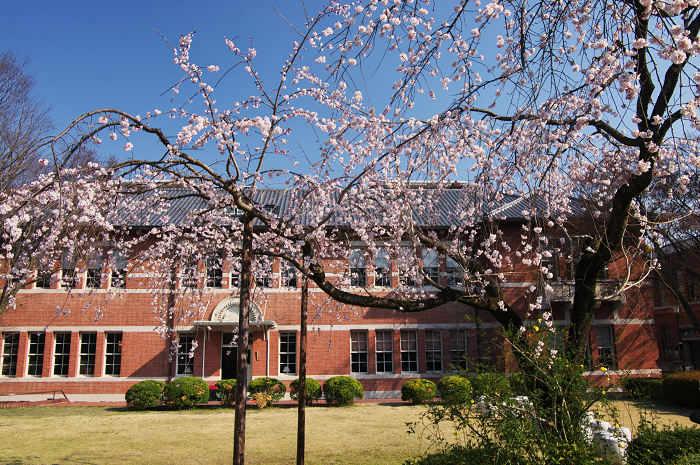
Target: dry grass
<point>364,434</point>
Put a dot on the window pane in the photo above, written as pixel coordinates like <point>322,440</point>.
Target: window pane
<point>61,356</point>
<point>10,349</point>
<point>409,353</point>
<point>35,363</point>
<point>358,356</point>
<point>185,359</point>
<point>384,351</point>
<point>433,350</point>
<point>113,354</point>
<point>88,348</point>
<point>288,354</point>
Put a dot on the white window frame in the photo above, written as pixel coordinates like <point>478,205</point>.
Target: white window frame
<point>359,351</point>
<point>433,350</point>
<point>114,350</point>
<point>288,354</point>
<point>88,354</point>
<point>381,351</point>
<point>409,351</point>
<point>37,344</point>
<point>185,355</point>
<point>63,356</point>
<point>9,359</point>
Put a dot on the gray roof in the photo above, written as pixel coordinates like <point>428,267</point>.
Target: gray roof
<point>182,206</point>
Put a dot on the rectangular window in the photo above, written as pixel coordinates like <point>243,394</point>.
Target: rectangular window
<point>188,276</point>
<point>406,264</point>
<point>458,349</point>
<point>409,351</point>
<point>680,282</point>
<point>288,275</point>
<point>88,349</point>
<point>358,351</point>
<point>61,354</point>
<point>431,267</point>
<point>118,278</point>
<point>606,347</point>
<point>35,363</point>
<point>185,355</point>
<point>113,354</point>
<point>660,293</point>
<point>69,278</point>
<point>215,265</point>
<point>358,268</point>
<point>263,281</point>
<point>382,270</point>
<point>10,349</point>
<point>384,347</point>
<point>94,271</point>
<point>433,350</point>
<point>455,275</point>
<point>43,280</point>
<point>288,353</point>
<point>693,292</point>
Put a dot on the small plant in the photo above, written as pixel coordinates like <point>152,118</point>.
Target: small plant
<point>268,386</point>
<point>145,394</point>
<point>455,389</point>
<point>261,399</point>
<point>182,393</point>
<point>313,390</point>
<point>418,390</point>
<point>342,390</point>
<point>226,388</point>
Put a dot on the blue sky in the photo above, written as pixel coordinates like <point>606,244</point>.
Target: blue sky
<point>90,54</point>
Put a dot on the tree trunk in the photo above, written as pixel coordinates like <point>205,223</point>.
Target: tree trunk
<point>242,369</point>
<point>301,428</point>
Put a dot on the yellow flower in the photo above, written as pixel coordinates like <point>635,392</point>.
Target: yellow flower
<point>603,369</point>
<point>537,328</point>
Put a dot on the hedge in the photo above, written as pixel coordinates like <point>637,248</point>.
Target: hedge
<point>643,388</point>
<point>145,394</point>
<point>182,393</point>
<point>652,446</point>
<point>455,389</point>
<point>342,390</point>
<point>227,391</point>
<point>313,390</point>
<point>683,388</point>
<point>490,385</point>
<point>271,387</point>
<point>418,390</point>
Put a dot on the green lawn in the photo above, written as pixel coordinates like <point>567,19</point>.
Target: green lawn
<point>367,433</point>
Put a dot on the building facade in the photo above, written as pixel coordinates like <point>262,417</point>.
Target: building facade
<point>91,331</point>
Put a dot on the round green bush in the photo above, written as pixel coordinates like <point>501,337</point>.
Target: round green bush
<point>226,388</point>
<point>342,390</point>
<point>182,393</point>
<point>269,386</point>
<point>145,394</point>
<point>490,385</point>
<point>455,389</point>
<point>418,390</point>
<point>313,390</point>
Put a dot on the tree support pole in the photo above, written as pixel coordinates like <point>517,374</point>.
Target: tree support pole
<point>301,428</point>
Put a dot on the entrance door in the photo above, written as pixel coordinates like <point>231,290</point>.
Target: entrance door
<point>229,358</point>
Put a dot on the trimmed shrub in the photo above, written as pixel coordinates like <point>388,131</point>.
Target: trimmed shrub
<point>269,387</point>
<point>226,389</point>
<point>643,388</point>
<point>455,389</point>
<point>342,390</point>
<point>145,394</point>
<point>182,393</point>
<point>418,390</point>
<point>652,445</point>
<point>683,388</point>
<point>313,390</point>
<point>490,385</point>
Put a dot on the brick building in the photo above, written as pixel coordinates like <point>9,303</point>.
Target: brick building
<point>52,339</point>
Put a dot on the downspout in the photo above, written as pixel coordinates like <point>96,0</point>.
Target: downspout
<point>267,352</point>
<point>204,349</point>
